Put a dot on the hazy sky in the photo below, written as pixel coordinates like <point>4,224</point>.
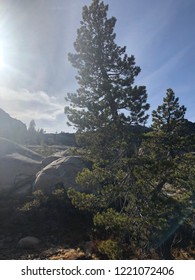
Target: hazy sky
<point>36,35</point>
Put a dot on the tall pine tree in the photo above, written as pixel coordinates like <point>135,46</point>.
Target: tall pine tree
<point>107,111</point>
<point>106,74</point>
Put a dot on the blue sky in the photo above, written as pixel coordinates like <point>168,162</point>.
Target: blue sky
<point>36,36</point>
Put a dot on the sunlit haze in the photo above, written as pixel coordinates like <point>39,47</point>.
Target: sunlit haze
<point>2,59</point>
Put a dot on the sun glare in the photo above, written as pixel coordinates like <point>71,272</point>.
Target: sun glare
<point>2,62</point>
<point>2,54</point>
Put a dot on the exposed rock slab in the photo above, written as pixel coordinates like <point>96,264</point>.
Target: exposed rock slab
<point>62,171</point>
<point>8,147</point>
<point>18,165</point>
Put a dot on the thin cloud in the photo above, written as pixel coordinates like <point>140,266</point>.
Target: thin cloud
<point>25,105</point>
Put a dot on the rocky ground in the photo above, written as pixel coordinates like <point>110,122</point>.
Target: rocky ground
<point>10,251</point>
<point>64,233</point>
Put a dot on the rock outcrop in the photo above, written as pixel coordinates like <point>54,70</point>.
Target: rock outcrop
<point>24,171</point>
<point>18,166</point>
<point>60,172</point>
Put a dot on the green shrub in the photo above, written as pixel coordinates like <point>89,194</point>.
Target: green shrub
<point>111,249</point>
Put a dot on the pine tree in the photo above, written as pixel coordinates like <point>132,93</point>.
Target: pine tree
<point>106,103</point>
<point>32,126</point>
<point>107,111</point>
<point>32,133</point>
<point>105,75</point>
<point>168,171</point>
<point>170,115</point>
<point>169,144</point>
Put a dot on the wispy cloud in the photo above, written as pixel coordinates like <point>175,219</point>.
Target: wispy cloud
<point>25,106</point>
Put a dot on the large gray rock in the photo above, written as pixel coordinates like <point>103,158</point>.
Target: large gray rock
<point>18,165</point>
<point>62,172</point>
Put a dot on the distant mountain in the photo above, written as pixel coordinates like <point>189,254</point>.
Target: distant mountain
<point>11,128</point>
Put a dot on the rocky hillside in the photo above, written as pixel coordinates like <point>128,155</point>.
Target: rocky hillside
<point>11,128</point>
<point>17,131</point>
